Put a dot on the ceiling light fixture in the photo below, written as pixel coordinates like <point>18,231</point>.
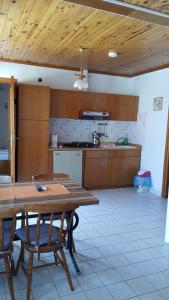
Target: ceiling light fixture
<point>81,82</point>
<point>113,53</point>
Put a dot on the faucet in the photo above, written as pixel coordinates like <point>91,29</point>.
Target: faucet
<point>122,140</point>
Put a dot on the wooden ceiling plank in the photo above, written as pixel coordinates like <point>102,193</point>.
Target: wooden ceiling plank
<point>158,5</point>
<point>141,45</point>
<point>124,11</point>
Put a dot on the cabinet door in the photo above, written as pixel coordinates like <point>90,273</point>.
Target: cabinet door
<point>64,104</point>
<point>97,173</point>
<point>34,102</point>
<point>32,148</point>
<point>93,101</point>
<point>123,170</point>
<point>123,108</point>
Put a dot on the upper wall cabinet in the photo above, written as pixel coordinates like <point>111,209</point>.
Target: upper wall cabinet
<point>34,102</point>
<point>123,107</point>
<point>64,104</point>
<point>67,104</point>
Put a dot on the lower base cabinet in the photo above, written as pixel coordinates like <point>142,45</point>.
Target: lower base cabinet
<point>110,168</point>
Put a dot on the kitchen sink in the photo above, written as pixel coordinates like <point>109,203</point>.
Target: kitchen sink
<point>125,147</point>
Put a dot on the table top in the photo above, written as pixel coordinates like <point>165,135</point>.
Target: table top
<point>75,194</point>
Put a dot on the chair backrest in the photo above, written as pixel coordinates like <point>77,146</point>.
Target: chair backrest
<point>7,228</point>
<point>49,176</point>
<point>50,210</point>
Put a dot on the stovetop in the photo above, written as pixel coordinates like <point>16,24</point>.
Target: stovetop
<point>79,144</point>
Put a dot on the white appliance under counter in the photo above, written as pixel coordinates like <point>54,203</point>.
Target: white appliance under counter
<point>69,162</point>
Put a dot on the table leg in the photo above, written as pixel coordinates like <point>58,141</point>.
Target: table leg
<point>70,246</point>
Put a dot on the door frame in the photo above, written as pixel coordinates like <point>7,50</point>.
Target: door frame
<point>12,82</point>
<point>7,80</point>
<point>165,183</point>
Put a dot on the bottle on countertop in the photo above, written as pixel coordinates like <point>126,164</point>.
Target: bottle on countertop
<point>125,141</point>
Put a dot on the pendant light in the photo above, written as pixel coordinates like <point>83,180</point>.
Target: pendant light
<point>81,81</point>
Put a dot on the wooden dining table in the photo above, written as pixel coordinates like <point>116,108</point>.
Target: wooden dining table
<point>60,191</point>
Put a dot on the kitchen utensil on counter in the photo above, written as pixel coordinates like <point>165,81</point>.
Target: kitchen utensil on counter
<point>54,140</point>
<point>95,138</point>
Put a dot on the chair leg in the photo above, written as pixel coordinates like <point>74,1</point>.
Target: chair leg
<point>20,259</point>
<point>65,266</point>
<point>56,258</point>
<point>73,246</point>
<point>29,276</point>
<point>12,264</point>
<point>38,255</point>
<point>9,275</point>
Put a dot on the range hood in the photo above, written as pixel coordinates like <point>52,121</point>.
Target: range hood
<point>94,115</point>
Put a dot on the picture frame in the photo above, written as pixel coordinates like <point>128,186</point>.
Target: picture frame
<point>158,103</point>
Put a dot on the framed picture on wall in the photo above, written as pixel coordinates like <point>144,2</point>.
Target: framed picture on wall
<point>158,103</point>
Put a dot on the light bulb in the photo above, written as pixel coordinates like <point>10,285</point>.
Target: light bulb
<point>113,54</point>
<point>81,84</point>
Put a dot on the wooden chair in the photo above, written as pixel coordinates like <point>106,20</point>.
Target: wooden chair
<point>51,177</point>
<point>7,233</point>
<point>44,238</point>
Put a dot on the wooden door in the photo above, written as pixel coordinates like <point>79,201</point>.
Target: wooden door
<point>11,129</point>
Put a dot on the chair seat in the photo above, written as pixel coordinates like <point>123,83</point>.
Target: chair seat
<point>43,236</point>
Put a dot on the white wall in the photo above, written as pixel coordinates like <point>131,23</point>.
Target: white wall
<point>149,86</point>
<point>63,79</point>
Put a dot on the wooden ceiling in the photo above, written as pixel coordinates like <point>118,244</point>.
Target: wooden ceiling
<point>158,5</point>
<point>50,32</point>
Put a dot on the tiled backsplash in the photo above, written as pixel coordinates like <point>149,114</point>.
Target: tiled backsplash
<point>69,130</point>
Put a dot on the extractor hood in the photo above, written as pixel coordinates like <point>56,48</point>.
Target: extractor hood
<point>94,115</point>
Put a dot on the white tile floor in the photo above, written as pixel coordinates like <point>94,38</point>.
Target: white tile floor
<point>121,253</point>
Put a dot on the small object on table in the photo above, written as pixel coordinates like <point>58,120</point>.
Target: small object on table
<point>41,187</point>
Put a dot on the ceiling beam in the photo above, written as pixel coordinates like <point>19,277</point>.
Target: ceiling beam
<point>125,9</point>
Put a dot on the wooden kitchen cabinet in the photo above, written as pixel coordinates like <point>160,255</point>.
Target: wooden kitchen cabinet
<point>123,108</point>
<point>32,148</point>
<point>110,168</point>
<point>33,131</point>
<point>34,102</point>
<point>64,104</point>
<point>97,173</point>
<point>68,104</point>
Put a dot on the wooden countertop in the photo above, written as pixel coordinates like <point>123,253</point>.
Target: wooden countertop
<point>99,148</point>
